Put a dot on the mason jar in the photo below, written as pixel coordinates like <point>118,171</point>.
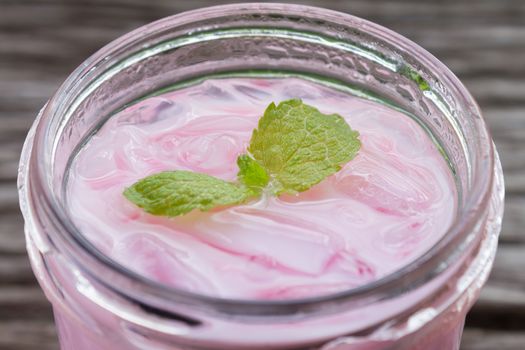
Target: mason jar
<point>101,304</point>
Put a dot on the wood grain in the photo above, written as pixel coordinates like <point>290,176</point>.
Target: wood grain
<point>483,42</point>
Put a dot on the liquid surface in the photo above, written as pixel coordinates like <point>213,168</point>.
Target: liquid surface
<point>384,209</point>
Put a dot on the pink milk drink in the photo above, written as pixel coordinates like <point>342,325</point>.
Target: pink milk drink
<point>388,252</point>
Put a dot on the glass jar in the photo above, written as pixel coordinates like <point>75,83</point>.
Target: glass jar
<point>100,304</point>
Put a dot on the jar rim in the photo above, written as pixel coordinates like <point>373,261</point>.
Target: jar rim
<point>421,270</point>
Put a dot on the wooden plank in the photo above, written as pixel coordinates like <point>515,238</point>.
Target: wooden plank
<point>12,239</point>
<point>15,270</point>
<point>497,91</point>
<point>508,266</point>
<point>8,197</point>
<point>481,339</point>
<point>513,231</point>
<point>500,307</point>
<point>20,303</point>
<point>28,335</point>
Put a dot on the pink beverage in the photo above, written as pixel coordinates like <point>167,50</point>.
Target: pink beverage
<point>381,211</point>
<point>388,253</point>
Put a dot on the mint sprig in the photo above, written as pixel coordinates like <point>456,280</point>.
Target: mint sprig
<point>173,193</point>
<point>300,146</point>
<point>293,148</point>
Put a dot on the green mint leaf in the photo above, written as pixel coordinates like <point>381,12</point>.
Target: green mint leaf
<point>300,146</point>
<point>252,174</point>
<point>293,148</point>
<point>174,193</point>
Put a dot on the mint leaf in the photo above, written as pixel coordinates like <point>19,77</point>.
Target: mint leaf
<point>174,193</point>
<point>293,148</point>
<point>300,146</point>
<point>252,174</point>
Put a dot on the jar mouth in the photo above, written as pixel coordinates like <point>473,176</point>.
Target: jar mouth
<point>134,286</point>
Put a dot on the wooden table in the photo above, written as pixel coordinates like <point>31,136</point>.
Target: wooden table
<point>483,42</point>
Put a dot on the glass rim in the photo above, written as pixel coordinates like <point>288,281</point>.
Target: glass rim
<point>423,269</point>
